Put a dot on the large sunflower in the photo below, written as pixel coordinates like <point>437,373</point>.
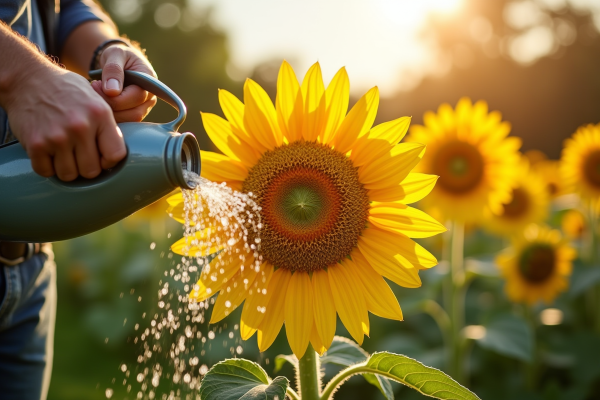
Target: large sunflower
<point>334,192</point>
<point>537,266</point>
<point>469,150</point>
<point>528,204</point>
<point>580,162</point>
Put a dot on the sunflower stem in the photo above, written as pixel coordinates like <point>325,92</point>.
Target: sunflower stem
<point>457,276</point>
<point>593,259</point>
<point>531,368</point>
<point>309,375</point>
<point>341,377</point>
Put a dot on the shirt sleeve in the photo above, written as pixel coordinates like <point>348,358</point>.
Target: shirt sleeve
<point>74,13</point>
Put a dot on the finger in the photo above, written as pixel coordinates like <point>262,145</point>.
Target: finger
<point>88,159</point>
<point>112,63</point>
<point>136,114</point>
<point>42,165</point>
<point>131,97</point>
<point>64,165</point>
<point>111,145</point>
<point>41,160</point>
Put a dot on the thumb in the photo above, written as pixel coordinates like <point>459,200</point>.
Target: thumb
<point>112,70</point>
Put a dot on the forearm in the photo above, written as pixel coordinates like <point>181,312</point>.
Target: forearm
<point>19,62</point>
<point>79,47</point>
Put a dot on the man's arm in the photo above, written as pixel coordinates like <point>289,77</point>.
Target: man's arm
<point>63,124</point>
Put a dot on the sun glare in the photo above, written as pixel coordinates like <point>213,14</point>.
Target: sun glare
<point>389,46</point>
<point>414,13</point>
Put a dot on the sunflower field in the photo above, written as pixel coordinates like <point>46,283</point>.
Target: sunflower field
<point>378,254</point>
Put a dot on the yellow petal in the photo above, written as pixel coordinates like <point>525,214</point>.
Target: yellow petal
<point>177,212</point>
<point>313,92</point>
<point>213,276</point>
<point>233,109</point>
<point>349,300</point>
<point>175,199</point>
<point>270,327</point>
<point>316,341</point>
<point>299,312</point>
<point>392,167</point>
<point>358,121</point>
<point>400,218</point>
<point>256,303</point>
<point>379,141</point>
<point>391,268</point>
<point>325,319</point>
<point>337,97</point>
<point>234,292</point>
<point>289,103</point>
<point>406,250</point>
<point>198,245</point>
<point>379,296</point>
<point>220,168</point>
<point>412,189</point>
<point>222,135</point>
<point>260,117</point>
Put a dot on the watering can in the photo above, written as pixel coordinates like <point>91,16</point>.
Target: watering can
<point>38,209</point>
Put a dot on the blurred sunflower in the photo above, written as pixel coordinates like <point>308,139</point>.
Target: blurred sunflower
<point>537,266</point>
<point>334,192</point>
<point>573,224</point>
<point>549,171</point>
<point>535,156</point>
<point>580,162</point>
<point>528,204</point>
<point>477,163</point>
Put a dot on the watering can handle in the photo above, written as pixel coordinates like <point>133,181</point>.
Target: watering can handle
<point>156,87</point>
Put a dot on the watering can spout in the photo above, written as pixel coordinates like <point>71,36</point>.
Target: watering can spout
<point>159,159</point>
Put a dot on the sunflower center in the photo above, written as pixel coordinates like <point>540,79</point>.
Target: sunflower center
<point>591,168</point>
<point>518,205</point>
<point>460,167</point>
<point>537,263</point>
<point>314,206</point>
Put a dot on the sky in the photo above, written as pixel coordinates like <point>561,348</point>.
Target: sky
<point>380,42</point>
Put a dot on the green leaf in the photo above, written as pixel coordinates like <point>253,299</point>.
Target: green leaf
<point>239,379</point>
<point>381,383</point>
<point>509,335</point>
<point>426,380</point>
<point>345,352</point>
<point>281,359</point>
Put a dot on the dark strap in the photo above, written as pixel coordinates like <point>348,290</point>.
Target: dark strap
<point>49,10</point>
<point>13,253</point>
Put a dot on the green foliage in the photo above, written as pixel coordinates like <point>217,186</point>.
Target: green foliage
<point>281,359</point>
<point>345,352</point>
<point>509,335</point>
<point>426,380</point>
<point>241,379</point>
<point>583,279</point>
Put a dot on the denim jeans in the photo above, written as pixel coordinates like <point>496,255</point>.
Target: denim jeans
<point>27,315</point>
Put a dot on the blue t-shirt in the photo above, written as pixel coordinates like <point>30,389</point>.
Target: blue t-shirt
<point>23,17</point>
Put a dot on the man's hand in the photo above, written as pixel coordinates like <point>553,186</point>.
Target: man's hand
<point>130,104</point>
<point>64,125</point>
<point>66,128</point>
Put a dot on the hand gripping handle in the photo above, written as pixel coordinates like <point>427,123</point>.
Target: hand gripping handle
<point>156,87</point>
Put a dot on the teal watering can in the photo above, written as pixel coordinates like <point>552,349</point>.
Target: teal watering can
<point>38,209</point>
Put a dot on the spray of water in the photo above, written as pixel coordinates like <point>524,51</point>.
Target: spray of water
<point>218,223</point>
